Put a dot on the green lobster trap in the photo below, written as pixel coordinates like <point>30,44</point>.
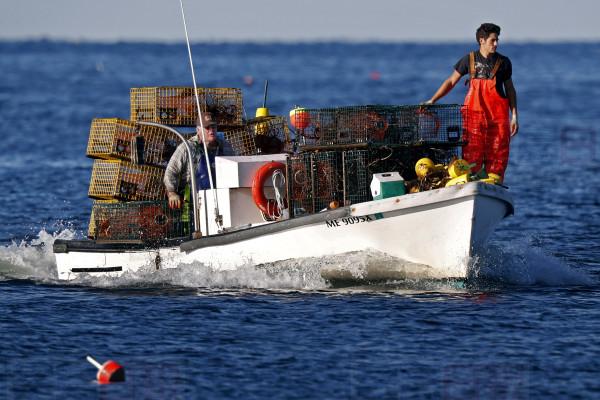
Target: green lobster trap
<point>265,135</point>
<point>114,138</point>
<point>177,105</point>
<point>120,180</point>
<point>145,221</point>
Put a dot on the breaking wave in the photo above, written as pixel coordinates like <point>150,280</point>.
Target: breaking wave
<point>519,263</point>
<point>31,259</point>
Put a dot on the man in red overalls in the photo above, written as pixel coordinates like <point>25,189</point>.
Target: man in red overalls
<point>491,94</point>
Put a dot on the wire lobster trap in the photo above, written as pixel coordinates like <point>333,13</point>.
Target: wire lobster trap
<point>374,124</point>
<point>111,138</point>
<point>92,225</point>
<point>265,135</point>
<point>321,180</point>
<point>145,221</point>
<point>114,138</point>
<point>177,105</point>
<point>120,180</point>
<point>316,179</point>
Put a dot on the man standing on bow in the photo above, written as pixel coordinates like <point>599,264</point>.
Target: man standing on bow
<point>490,96</point>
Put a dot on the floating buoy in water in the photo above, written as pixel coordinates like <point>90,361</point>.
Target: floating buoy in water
<point>375,75</point>
<point>109,372</point>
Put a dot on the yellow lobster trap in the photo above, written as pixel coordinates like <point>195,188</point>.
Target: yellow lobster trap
<point>177,105</point>
<point>114,138</point>
<point>120,180</point>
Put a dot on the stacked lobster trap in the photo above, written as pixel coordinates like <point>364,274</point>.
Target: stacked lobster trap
<point>341,148</point>
<point>130,158</point>
<point>177,105</point>
<point>263,135</point>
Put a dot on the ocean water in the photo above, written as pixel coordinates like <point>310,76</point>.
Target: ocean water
<point>526,327</point>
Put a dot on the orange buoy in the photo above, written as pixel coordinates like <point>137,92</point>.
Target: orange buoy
<point>267,206</point>
<point>109,372</point>
<point>299,118</point>
<point>375,75</point>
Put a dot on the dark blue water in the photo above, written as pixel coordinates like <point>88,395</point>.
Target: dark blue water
<point>526,329</point>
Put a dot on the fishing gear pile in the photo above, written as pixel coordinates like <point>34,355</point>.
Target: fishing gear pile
<point>130,158</point>
<point>340,149</point>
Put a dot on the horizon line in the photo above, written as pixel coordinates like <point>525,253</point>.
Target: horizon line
<point>288,41</point>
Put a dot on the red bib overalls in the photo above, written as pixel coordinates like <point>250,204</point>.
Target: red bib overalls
<point>487,128</point>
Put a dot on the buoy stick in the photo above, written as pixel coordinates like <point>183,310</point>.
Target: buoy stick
<point>265,97</point>
<point>93,362</point>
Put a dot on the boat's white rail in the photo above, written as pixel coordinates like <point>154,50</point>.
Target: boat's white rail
<point>197,232</point>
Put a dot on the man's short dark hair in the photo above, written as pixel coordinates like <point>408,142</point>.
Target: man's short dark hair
<point>484,31</point>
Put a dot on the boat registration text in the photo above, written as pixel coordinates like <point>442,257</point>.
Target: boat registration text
<point>335,223</point>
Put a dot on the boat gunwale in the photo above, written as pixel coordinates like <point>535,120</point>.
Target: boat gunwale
<point>368,208</point>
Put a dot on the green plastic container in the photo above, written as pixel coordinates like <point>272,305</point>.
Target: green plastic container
<point>387,184</point>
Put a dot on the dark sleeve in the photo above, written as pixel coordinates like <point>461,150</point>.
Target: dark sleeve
<point>508,69</point>
<point>462,66</point>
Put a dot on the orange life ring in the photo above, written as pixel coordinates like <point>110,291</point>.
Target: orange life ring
<point>267,206</point>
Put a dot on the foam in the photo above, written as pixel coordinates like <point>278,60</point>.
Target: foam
<point>31,260</point>
<point>519,263</point>
<point>513,263</point>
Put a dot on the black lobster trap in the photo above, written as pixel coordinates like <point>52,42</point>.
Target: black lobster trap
<point>381,124</point>
<point>318,180</point>
<point>144,221</point>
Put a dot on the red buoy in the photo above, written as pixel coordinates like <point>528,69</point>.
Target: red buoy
<point>109,372</point>
<point>299,118</point>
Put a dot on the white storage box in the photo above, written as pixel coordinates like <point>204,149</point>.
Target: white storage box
<point>238,171</point>
<point>236,207</point>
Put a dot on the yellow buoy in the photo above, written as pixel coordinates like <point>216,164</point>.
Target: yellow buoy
<point>492,178</point>
<point>262,112</point>
<point>423,167</point>
<point>459,180</point>
<point>459,167</point>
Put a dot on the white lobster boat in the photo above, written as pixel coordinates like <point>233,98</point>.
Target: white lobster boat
<point>436,231</point>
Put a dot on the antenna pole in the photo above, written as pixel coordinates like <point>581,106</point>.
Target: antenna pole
<point>218,217</point>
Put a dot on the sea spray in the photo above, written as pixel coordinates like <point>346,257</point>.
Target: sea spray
<point>518,263</point>
<point>31,259</point>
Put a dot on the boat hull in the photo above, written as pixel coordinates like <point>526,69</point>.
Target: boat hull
<point>433,233</point>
